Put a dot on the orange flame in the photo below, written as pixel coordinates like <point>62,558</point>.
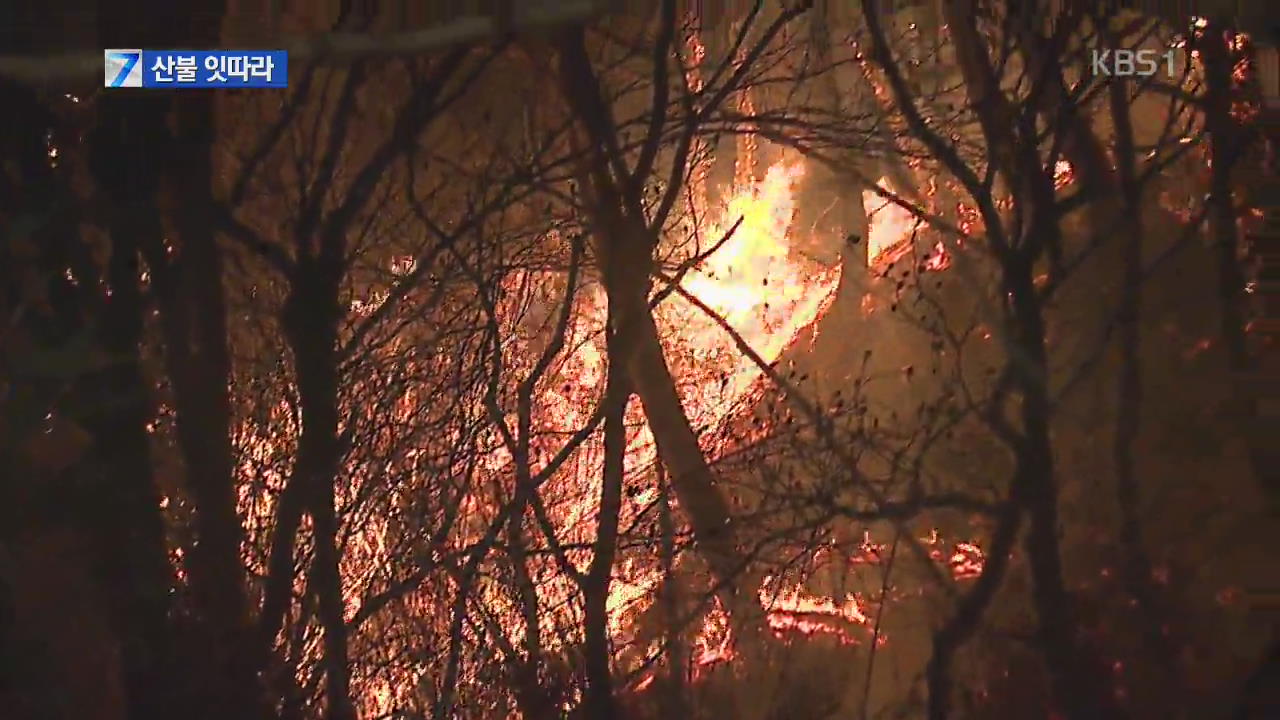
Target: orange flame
<point>889,226</point>
<point>754,283</point>
<point>797,610</point>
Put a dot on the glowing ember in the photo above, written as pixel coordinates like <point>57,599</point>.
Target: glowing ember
<point>966,561</point>
<point>715,641</point>
<point>970,220</point>
<point>795,610</point>
<point>938,260</point>
<point>1063,174</point>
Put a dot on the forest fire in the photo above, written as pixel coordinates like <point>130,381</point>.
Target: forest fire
<point>566,363</point>
<point>759,287</point>
<point>756,285</point>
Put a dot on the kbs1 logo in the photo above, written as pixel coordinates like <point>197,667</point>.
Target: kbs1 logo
<point>1131,63</point>
<point>195,69</point>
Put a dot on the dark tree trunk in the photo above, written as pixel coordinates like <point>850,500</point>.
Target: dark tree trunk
<point>677,443</point>
<point>625,244</point>
<point>967,619</point>
<point>1136,562</point>
<point>1079,685</point>
<point>277,594</point>
<point>1227,142</point>
<point>1225,138</point>
<point>533,699</point>
<point>674,701</point>
<point>122,505</point>
<point>193,318</point>
<point>600,701</point>
<point>311,325</point>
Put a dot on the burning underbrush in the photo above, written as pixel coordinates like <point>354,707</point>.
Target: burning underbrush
<point>740,284</point>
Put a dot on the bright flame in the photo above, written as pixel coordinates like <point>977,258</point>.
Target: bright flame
<point>889,226</point>
<point>1063,174</point>
<point>753,282</point>
<point>761,289</point>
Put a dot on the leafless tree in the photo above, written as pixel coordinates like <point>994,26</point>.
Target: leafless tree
<point>1032,109</point>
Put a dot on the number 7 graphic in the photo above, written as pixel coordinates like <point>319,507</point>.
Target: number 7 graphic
<point>129,59</point>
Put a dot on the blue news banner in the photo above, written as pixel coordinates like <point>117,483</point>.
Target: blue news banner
<point>195,68</point>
